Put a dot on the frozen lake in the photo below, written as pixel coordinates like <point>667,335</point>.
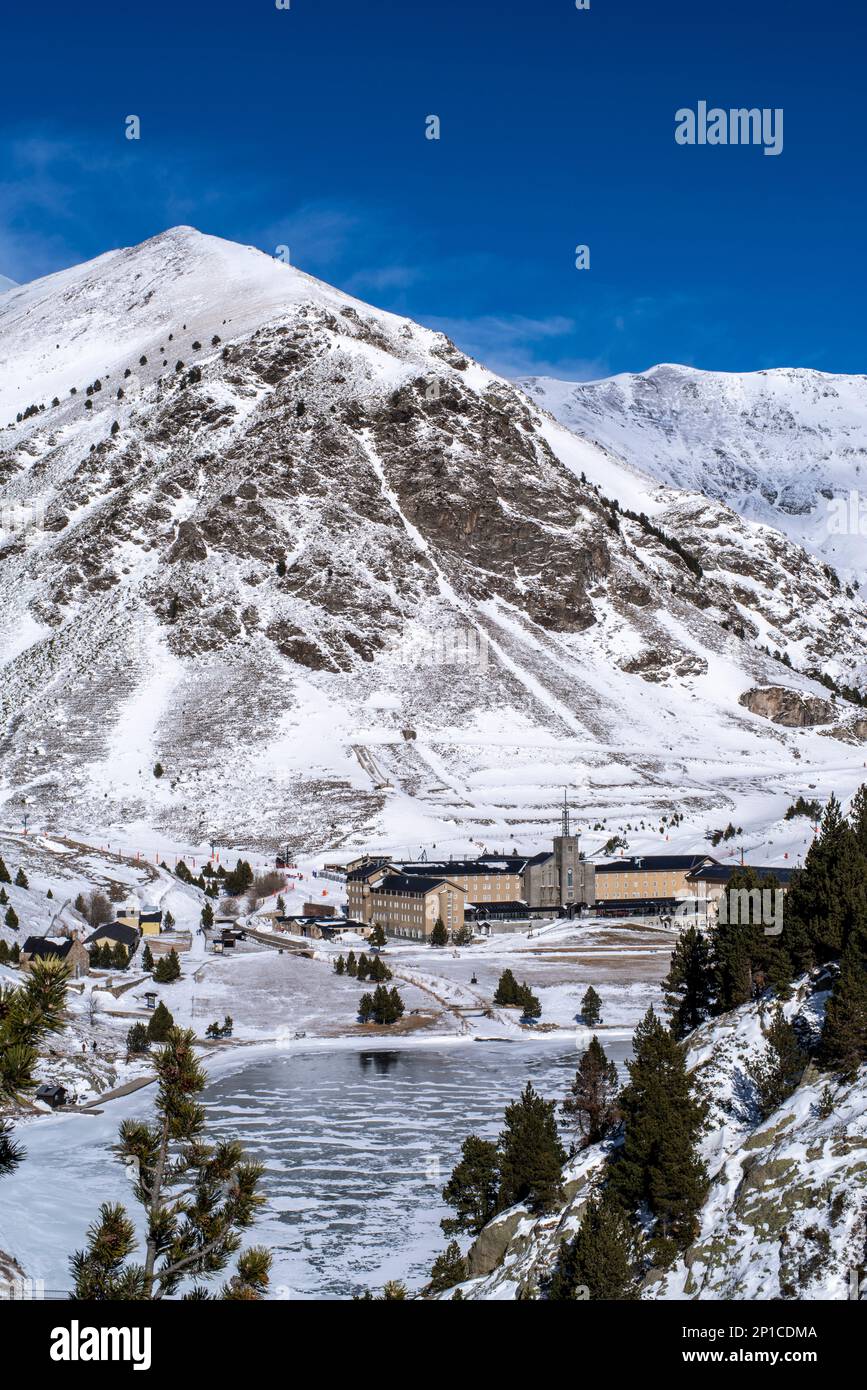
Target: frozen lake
<point>356,1142</point>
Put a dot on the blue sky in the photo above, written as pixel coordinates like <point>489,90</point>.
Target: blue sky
<point>306,127</point>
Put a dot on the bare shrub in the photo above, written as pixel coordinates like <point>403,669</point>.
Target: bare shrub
<point>96,909</point>
<point>267,884</point>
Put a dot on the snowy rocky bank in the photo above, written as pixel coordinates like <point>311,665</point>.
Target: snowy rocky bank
<point>784,1215</point>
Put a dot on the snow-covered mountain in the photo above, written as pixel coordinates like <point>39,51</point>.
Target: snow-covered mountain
<point>7,284</point>
<point>786,447</point>
<point>784,1214</point>
<point>276,564</point>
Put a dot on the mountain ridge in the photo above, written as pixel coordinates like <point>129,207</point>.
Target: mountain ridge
<point>245,556</point>
<point>777,445</point>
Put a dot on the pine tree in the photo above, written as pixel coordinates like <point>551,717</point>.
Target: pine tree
<point>378,936</point>
<point>531,1155</point>
<point>137,1040</point>
<point>4,872</point>
<point>167,968</point>
<point>591,1008</point>
<point>507,991</point>
<point>119,956</point>
<point>394,1291</point>
<point>599,1262</point>
<point>207,917</point>
<point>827,895</point>
<point>197,1199</point>
<point>530,1005</point>
<point>239,879</point>
<point>351,965</point>
<point>4,953</point>
<point>448,1269</point>
<point>858,820</point>
<point>11,918</point>
<point>844,1034</point>
<point>732,968</point>
<point>689,985</point>
<point>21,879</point>
<point>659,1168</point>
<point>147,959</point>
<point>383,1006</point>
<point>777,1073</point>
<point>339,966</point>
<point>4,897</point>
<point>28,1013</point>
<point>472,1188</point>
<point>11,1154</point>
<point>746,959</point>
<point>395,1008</point>
<point>591,1105</point>
<point>160,1024</point>
<point>363,968</point>
<point>439,936</point>
<point>168,921</point>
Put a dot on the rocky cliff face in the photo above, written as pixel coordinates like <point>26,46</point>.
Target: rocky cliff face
<point>784,1217</point>
<point>248,523</point>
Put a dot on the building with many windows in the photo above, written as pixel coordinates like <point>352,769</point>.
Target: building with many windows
<point>648,878</point>
<point>555,878</point>
<point>708,883</point>
<point>409,904</point>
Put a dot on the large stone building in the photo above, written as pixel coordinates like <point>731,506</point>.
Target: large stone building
<point>562,877</point>
<point>648,878</point>
<point>360,876</point>
<point>409,904</point>
<point>552,879</point>
<point>490,878</point>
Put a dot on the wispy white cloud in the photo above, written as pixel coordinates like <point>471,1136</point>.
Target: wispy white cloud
<point>517,345</point>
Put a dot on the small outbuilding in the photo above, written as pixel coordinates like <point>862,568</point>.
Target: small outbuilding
<point>52,1094</point>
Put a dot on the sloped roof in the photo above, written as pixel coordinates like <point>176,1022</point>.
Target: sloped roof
<point>115,931</point>
<point>411,883</point>
<point>365,870</point>
<point>485,865</point>
<point>45,948</point>
<point>655,863</point>
<point>722,873</point>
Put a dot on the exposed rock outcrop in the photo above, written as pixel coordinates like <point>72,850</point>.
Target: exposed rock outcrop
<point>793,708</point>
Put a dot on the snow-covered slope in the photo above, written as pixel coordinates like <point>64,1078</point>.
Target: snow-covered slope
<point>786,447</point>
<point>345,586</point>
<point>7,284</point>
<point>784,1215</point>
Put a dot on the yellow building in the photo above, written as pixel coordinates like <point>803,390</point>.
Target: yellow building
<point>113,934</point>
<point>409,905</point>
<point>489,879</point>
<point>648,876</point>
<point>147,920</point>
<point>361,874</point>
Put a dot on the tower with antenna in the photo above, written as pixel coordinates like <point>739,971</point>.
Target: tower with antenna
<point>576,876</point>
